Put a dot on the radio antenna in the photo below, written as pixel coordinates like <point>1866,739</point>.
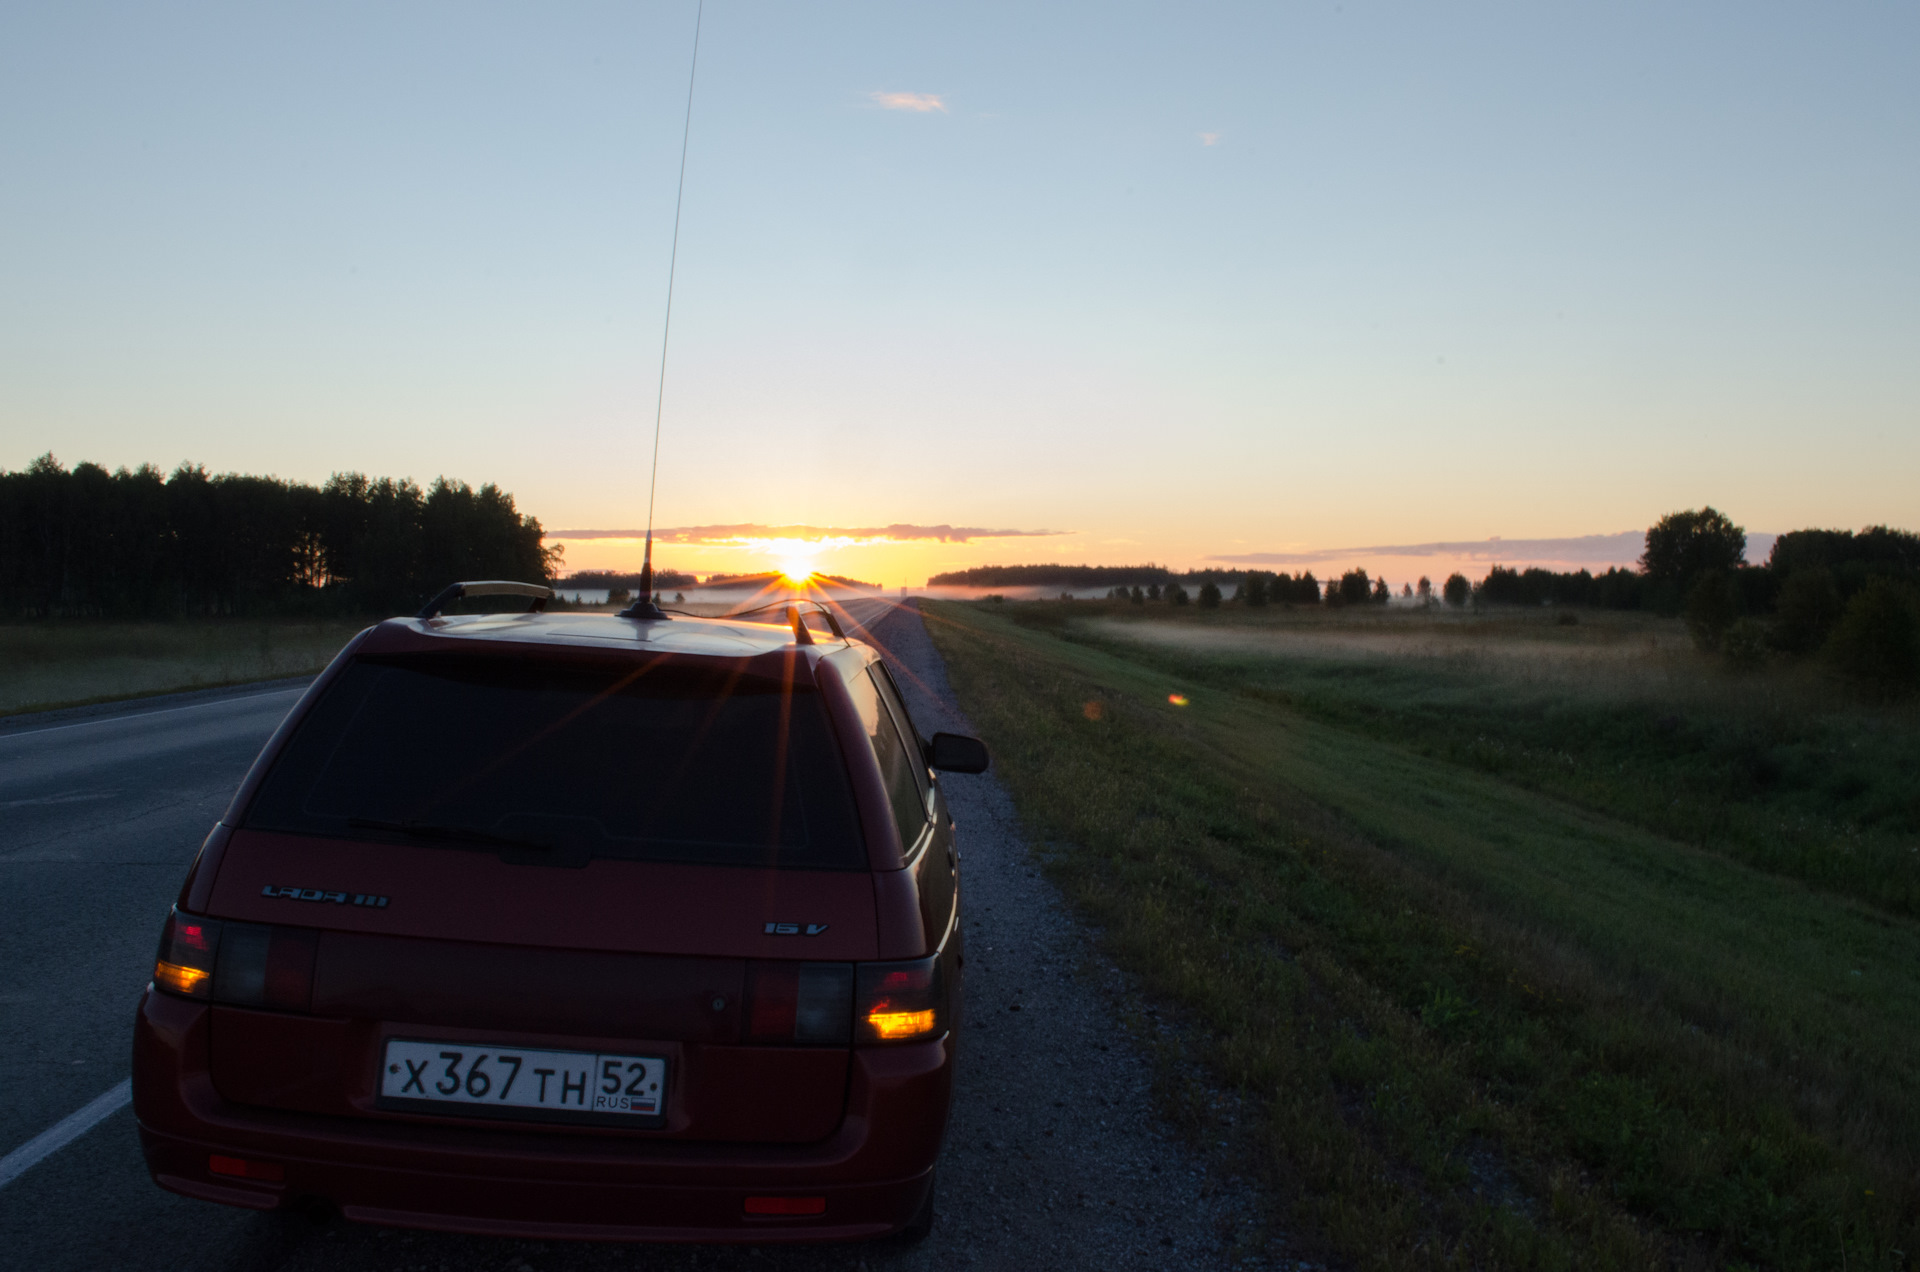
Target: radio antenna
<point>644,605</point>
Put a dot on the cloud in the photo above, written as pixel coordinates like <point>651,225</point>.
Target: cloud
<point>1209,139</point>
<point>748,534</point>
<point>1593,549</point>
<point>920,103</point>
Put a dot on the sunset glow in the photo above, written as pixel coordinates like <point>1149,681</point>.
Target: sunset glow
<point>906,299</point>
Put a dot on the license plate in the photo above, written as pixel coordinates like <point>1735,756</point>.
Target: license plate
<point>508,1079</point>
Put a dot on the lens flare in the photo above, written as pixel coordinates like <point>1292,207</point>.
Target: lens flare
<point>1177,699</point>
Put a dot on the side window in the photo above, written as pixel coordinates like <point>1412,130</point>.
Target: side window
<point>890,694</point>
<point>897,767</point>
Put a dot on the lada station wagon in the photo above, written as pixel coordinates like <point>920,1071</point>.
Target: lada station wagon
<point>572,926</point>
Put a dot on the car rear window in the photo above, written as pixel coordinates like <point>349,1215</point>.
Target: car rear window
<point>660,762</point>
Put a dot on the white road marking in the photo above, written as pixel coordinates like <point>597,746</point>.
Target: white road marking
<point>118,719</point>
<point>64,1132</point>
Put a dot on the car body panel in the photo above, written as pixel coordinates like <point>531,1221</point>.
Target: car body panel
<point>621,956</point>
<point>463,894</point>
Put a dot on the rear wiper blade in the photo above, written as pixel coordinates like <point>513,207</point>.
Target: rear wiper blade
<point>427,830</point>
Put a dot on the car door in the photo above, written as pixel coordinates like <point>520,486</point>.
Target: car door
<point>933,859</point>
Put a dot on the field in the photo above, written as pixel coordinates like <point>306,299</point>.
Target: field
<point>1513,944</point>
<point>69,663</point>
<point>56,664</point>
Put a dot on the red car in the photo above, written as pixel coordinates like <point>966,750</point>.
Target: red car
<point>572,926</point>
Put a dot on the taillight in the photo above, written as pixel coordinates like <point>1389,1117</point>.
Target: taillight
<point>264,966</point>
<point>246,964</point>
<point>800,1002</point>
<point>188,945</point>
<point>900,1002</point>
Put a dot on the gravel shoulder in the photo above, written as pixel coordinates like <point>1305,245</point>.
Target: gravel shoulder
<point>1055,1158</point>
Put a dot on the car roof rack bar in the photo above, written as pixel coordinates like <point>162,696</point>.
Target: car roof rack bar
<point>801,636</point>
<point>485,587</point>
<point>791,615</point>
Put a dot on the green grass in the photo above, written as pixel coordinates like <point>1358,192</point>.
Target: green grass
<point>56,664</point>
<point>1783,769</point>
<point>1485,1024</point>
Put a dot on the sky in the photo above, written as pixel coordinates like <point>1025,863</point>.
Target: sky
<point>1192,284</point>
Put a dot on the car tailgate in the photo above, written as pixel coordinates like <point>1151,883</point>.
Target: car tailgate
<point>617,956</point>
<point>458,894</point>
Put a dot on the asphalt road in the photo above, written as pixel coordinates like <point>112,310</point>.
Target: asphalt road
<point>1054,1159</point>
<point>100,813</point>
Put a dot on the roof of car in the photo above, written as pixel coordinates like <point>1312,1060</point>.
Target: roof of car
<point>712,637</point>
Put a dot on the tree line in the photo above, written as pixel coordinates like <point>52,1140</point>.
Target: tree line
<point>83,542</point>
<point>1850,597</point>
<point>618,581</point>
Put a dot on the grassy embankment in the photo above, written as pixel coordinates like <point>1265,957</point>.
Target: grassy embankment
<point>1485,920</point>
<point>63,664</point>
<point>59,664</point>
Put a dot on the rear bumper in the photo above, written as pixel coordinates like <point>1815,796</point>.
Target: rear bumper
<point>874,1171</point>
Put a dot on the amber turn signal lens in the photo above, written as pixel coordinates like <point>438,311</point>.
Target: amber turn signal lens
<point>189,982</point>
<point>897,1026</point>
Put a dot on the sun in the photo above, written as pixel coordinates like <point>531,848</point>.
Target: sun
<point>797,570</point>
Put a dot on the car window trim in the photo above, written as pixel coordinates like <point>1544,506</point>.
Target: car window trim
<point>916,752</point>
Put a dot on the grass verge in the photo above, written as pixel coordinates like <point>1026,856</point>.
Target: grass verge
<point>59,664</point>
<point>1781,768</point>
<point>1485,1026</point>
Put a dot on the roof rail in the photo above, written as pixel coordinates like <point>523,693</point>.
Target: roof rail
<point>485,587</point>
<point>801,635</point>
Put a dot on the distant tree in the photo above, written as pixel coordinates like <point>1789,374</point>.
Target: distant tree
<point>1153,591</point>
<point>1253,590</point>
<point>618,596</point>
<point>1683,545</point>
<point>1619,589</point>
<point>1456,590</point>
<point>1877,640</point>
<point>1713,604</point>
<point>1049,576</point>
<point>1354,588</point>
<point>1806,608</point>
<point>1852,557</point>
<point>1425,588</point>
<point>1138,596</point>
<point>1382,591</point>
<point>1176,594</point>
<point>1209,595</point>
<point>1406,591</point>
<point>679,598</point>
<point>1306,588</point>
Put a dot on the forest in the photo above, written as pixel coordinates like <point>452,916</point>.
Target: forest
<point>83,542</point>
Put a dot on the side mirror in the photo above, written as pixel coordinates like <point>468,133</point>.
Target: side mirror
<point>953,753</point>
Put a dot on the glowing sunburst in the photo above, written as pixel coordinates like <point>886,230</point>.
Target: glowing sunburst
<point>797,571</point>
